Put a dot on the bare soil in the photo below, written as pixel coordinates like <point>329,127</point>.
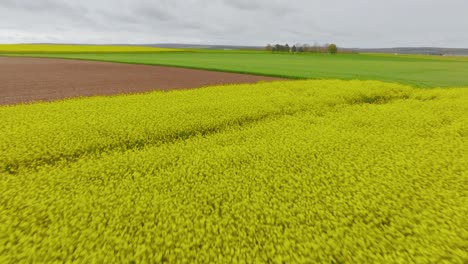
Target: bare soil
<point>24,80</point>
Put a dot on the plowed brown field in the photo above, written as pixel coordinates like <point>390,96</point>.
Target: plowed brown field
<point>38,79</point>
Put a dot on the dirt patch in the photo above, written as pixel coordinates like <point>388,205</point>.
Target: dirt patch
<point>38,79</point>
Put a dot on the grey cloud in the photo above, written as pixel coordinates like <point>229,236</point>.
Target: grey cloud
<point>46,14</point>
<point>44,6</point>
<point>276,7</point>
<point>244,4</point>
<point>357,23</point>
<point>153,13</point>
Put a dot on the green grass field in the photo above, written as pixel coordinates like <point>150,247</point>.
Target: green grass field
<point>419,71</point>
<point>294,172</point>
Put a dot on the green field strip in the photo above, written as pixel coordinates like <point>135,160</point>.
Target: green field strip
<point>420,71</point>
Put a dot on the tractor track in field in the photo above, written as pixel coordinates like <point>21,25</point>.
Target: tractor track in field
<point>26,80</point>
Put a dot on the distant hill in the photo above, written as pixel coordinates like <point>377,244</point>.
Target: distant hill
<point>418,50</point>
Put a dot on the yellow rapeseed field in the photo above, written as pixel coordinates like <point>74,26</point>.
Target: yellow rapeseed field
<point>57,48</point>
<point>283,172</point>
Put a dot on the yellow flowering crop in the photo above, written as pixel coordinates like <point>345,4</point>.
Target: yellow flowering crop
<point>283,172</point>
<point>51,49</point>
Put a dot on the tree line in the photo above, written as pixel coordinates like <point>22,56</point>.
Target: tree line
<point>299,48</point>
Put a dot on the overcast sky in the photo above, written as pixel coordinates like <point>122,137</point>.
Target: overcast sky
<point>349,23</point>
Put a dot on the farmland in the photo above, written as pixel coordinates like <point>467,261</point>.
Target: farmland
<point>415,70</point>
<point>295,172</point>
<point>372,168</point>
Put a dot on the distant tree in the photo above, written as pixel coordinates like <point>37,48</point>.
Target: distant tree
<point>294,49</point>
<point>332,49</point>
<point>277,47</point>
<point>315,48</point>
